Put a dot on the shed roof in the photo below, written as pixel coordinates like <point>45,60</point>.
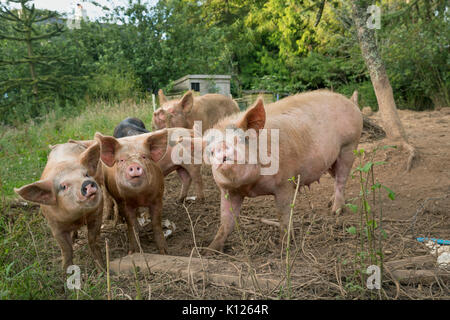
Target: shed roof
<point>204,77</point>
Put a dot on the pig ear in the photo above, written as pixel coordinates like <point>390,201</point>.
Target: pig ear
<point>187,102</point>
<point>354,97</point>
<point>83,143</point>
<point>90,157</point>
<point>157,143</point>
<point>108,148</point>
<point>39,192</point>
<point>162,97</point>
<point>254,118</point>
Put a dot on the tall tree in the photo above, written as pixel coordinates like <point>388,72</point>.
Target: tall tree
<point>25,23</point>
<point>383,90</point>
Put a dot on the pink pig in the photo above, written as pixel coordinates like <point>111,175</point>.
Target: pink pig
<point>182,113</point>
<point>70,195</point>
<point>315,132</point>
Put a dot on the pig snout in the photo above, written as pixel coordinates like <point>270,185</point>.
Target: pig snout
<point>88,188</point>
<point>134,170</point>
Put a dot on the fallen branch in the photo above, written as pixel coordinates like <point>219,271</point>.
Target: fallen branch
<point>419,261</point>
<point>420,276</point>
<point>270,222</point>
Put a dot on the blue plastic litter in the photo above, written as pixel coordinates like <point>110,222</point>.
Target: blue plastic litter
<point>438,241</point>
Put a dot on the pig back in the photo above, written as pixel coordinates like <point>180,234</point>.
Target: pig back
<point>210,108</point>
<point>313,128</point>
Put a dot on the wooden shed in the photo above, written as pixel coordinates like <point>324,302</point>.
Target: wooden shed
<point>204,83</point>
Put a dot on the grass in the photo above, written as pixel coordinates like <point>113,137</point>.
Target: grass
<point>30,263</point>
<point>24,150</point>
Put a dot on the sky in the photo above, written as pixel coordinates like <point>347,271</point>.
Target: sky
<point>68,6</point>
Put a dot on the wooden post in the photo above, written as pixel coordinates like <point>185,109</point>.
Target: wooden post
<point>153,101</point>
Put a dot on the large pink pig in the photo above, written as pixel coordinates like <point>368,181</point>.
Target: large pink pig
<point>70,196</point>
<point>134,179</point>
<point>208,109</point>
<point>307,134</point>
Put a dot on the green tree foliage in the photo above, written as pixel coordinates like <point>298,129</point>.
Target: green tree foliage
<point>35,69</point>
<point>282,46</point>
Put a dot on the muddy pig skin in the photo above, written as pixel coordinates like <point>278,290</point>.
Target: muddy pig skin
<point>208,109</point>
<point>129,127</point>
<point>318,132</point>
<point>134,180</point>
<point>70,196</point>
<point>188,173</point>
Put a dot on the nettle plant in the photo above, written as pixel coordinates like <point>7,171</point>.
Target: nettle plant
<point>368,204</point>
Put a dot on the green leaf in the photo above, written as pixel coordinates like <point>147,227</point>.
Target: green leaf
<point>367,166</point>
<point>366,206</point>
<point>391,194</point>
<point>352,207</point>
<point>372,224</point>
<point>376,186</point>
<point>351,230</point>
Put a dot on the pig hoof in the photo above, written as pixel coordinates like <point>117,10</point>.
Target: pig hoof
<point>208,253</point>
<point>338,211</point>
<point>213,248</point>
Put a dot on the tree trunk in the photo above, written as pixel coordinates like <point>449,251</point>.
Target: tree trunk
<point>380,81</point>
<point>28,29</point>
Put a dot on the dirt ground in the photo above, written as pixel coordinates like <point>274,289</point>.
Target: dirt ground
<point>324,247</point>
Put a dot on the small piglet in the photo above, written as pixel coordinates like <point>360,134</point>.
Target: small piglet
<point>70,196</point>
<point>134,179</point>
<point>307,134</point>
<point>188,172</point>
<point>208,109</point>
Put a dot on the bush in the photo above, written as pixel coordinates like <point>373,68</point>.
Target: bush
<point>112,86</point>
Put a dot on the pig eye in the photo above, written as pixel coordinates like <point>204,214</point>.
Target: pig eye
<point>144,156</point>
<point>86,175</point>
<point>63,187</point>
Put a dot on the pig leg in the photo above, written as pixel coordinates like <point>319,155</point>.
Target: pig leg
<point>156,213</point>
<point>93,227</point>
<point>65,243</point>
<point>196,174</point>
<point>230,206</point>
<point>341,169</point>
<point>132,227</point>
<point>108,205</point>
<point>283,200</point>
<point>74,236</point>
<point>185,183</point>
